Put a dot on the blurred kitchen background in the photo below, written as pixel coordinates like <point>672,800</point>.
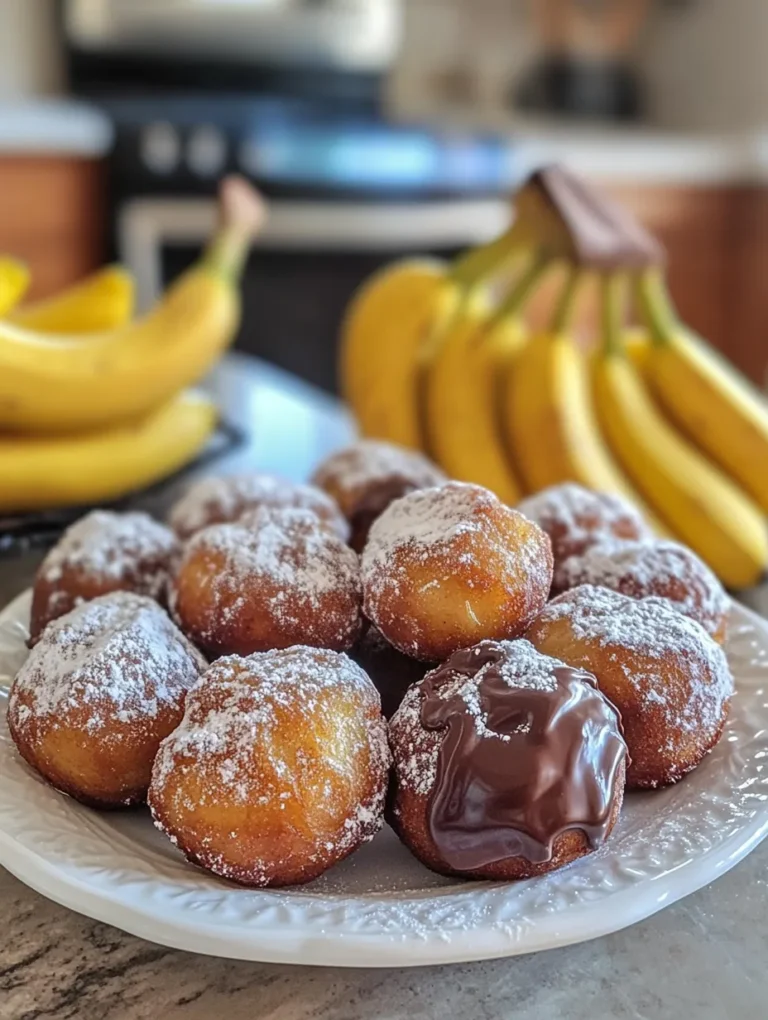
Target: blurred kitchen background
<point>379,128</point>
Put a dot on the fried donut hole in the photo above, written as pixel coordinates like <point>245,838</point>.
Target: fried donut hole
<point>391,672</point>
<point>276,578</point>
<point>101,553</point>
<point>654,567</point>
<point>507,764</point>
<point>278,770</point>
<point>668,678</point>
<point>366,477</point>
<point>449,566</point>
<point>222,500</point>
<point>98,692</point>
<point>576,518</point>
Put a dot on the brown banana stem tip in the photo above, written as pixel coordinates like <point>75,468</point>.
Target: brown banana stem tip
<point>241,206</point>
<point>595,231</point>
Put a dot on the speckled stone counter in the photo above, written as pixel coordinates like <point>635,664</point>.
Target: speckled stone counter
<point>705,957</point>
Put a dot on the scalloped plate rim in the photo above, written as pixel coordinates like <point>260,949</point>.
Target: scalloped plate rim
<point>317,946</point>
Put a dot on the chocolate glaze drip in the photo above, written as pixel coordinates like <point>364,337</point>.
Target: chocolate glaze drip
<point>547,761</point>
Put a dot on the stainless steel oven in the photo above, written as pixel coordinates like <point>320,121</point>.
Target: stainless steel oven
<point>305,267</point>
<point>288,93</point>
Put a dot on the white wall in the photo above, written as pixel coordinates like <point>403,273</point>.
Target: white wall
<point>706,64</point>
<point>30,61</point>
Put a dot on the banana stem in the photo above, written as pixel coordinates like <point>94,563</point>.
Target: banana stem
<point>227,253</point>
<point>242,213</point>
<point>566,304</point>
<point>656,306</point>
<point>521,290</point>
<point>613,293</point>
<point>476,265</point>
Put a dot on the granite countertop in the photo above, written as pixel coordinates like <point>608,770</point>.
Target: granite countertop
<point>704,956</point>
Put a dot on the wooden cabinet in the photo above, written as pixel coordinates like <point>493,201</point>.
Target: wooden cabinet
<point>52,215</point>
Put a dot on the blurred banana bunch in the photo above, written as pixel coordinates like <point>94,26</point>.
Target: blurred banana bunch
<point>440,358</point>
<point>95,404</point>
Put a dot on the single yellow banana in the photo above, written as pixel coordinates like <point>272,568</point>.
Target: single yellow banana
<point>637,344</point>
<point>58,384</point>
<point>464,388</point>
<point>101,301</point>
<point>551,423</point>
<point>708,400</point>
<point>390,330</point>
<point>14,280</point>
<point>460,400</point>
<point>40,473</point>
<point>390,318</point>
<point>705,508</point>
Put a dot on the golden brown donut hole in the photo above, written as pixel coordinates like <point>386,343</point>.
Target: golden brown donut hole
<point>224,499</point>
<point>668,678</point>
<point>278,770</point>
<point>449,566</point>
<point>98,692</point>
<point>276,578</point>
<point>654,567</point>
<point>101,553</point>
<point>576,518</point>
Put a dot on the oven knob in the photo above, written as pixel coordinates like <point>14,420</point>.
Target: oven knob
<point>160,147</point>
<point>206,151</point>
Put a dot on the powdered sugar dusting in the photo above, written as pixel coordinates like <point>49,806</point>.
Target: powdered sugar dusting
<point>416,749</point>
<point>233,739</point>
<point>459,534</point>
<point>575,517</point>
<point>219,500</point>
<point>428,521</point>
<point>283,556</point>
<point>662,637</point>
<point>114,547</point>
<point>656,567</point>
<point>371,461</point>
<point>119,655</point>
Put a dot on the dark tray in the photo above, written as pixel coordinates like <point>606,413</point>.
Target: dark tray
<point>22,532</point>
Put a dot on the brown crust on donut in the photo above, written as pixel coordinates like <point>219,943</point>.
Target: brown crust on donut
<point>408,815</point>
<point>446,567</point>
<point>101,553</point>
<point>100,690</point>
<point>669,679</point>
<point>278,770</point>
<point>366,477</point>
<point>275,579</point>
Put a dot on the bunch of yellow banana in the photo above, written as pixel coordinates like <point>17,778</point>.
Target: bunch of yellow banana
<point>706,506</point>
<point>433,358</point>
<point>92,404</point>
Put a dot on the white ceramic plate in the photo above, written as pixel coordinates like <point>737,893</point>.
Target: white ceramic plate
<point>381,908</point>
